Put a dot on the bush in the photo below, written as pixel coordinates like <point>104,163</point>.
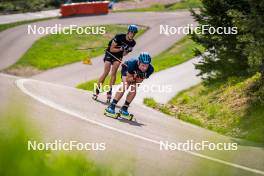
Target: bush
<point>17,6</point>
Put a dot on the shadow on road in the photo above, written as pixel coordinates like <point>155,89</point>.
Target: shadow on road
<point>134,122</point>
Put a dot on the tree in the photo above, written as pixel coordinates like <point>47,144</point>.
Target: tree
<point>251,26</point>
<point>224,56</point>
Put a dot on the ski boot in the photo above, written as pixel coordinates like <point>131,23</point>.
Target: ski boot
<point>123,113</point>
<point>110,112</point>
<point>95,95</point>
<point>109,96</point>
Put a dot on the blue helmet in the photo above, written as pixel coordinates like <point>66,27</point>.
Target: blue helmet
<point>144,58</point>
<point>133,28</point>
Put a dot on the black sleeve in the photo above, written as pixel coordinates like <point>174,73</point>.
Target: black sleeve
<point>131,66</point>
<point>134,43</point>
<point>118,39</point>
<point>150,71</point>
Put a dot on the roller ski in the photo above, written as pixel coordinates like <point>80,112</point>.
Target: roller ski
<point>124,114</point>
<point>110,112</point>
<point>108,97</point>
<point>96,94</point>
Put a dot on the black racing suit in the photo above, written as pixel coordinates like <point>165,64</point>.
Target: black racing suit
<point>120,40</point>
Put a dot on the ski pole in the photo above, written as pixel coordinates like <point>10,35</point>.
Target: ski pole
<point>88,48</point>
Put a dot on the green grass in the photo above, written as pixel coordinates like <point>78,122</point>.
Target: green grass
<point>227,107</point>
<point>60,49</point>
<point>180,52</point>
<point>15,24</point>
<point>89,85</point>
<point>184,4</point>
<point>16,159</point>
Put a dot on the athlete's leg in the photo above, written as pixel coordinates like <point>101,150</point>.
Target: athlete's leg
<point>107,67</point>
<point>115,67</point>
<point>125,85</point>
<point>132,93</point>
<point>120,92</point>
<point>130,96</point>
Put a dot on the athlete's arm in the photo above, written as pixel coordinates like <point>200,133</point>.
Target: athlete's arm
<point>114,48</point>
<point>130,78</point>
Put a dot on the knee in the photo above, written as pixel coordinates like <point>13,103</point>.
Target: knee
<point>133,90</point>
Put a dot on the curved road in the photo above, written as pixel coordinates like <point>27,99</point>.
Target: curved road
<point>66,113</point>
<point>15,42</point>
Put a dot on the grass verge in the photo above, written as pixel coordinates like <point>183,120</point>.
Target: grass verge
<point>60,49</point>
<point>228,107</point>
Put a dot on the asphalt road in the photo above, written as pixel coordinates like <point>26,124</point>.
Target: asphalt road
<point>65,113</point>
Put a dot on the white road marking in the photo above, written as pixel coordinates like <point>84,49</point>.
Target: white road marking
<point>20,84</point>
